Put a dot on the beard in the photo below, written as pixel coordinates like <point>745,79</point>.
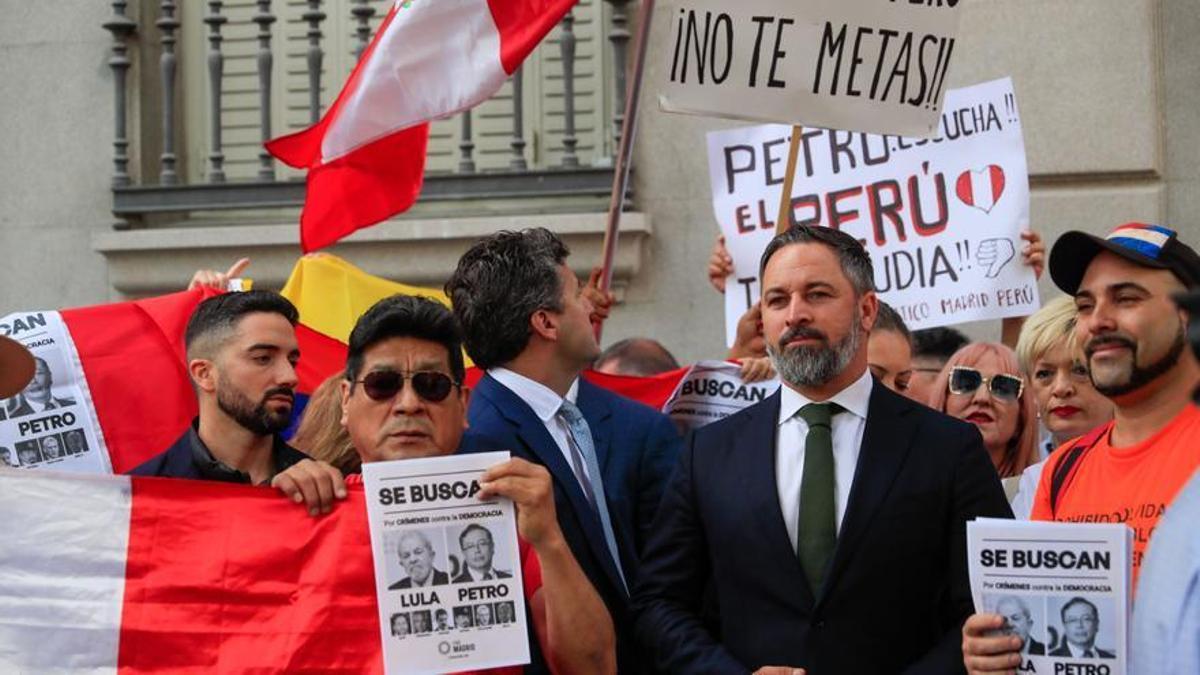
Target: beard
<point>811,366</point>
<point>258,419</point>
<point>1137,376</point>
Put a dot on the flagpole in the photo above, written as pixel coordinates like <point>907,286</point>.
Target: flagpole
<point>784,220</point>
<point>633,92</point>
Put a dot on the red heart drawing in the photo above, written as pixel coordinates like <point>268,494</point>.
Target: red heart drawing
<point>981,189</point>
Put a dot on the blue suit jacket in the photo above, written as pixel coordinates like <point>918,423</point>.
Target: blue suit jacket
<point>896,593</point>
<point>636,448</point>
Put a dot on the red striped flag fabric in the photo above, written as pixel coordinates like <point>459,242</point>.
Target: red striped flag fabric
<point>366,157</point>
<point>111,387</point>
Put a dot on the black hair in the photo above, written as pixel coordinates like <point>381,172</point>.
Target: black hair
<point>889,319</point>
<point>498,284</point>
<point>852,257</point>
<point>222,313</point>
<point>938,342</point>
<point>471,528</point>
<point>405,316</point>
<point>642,357</point>
<point>1077,600</point>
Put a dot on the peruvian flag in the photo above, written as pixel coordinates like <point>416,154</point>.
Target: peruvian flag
<point>429,59</point>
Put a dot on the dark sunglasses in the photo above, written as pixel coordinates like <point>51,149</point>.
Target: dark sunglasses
<point>965,380</point>
<point>383,385</point>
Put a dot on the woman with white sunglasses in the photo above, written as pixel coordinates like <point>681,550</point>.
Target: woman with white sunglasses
<point>982,384</point>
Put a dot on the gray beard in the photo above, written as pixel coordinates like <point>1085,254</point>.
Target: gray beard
<point>815,366</point>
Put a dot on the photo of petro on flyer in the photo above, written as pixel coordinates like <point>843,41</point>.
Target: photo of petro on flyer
<point>449,586</point>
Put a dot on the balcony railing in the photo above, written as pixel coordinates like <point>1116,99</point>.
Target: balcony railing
<point>200,86</point>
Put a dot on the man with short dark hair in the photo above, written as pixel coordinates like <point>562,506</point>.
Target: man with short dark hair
<point>1081,623</point>
<point>403,397</point>
<point>478,548</point>
<point>828,521</point>
<point>637,357</point>
<point>932,348</point>
<point>527,322</point>
<point>242,354</point>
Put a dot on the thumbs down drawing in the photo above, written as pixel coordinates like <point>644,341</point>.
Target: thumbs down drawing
<point>994,254</point>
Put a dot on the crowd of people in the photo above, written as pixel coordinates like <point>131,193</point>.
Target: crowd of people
<point>819,531</point>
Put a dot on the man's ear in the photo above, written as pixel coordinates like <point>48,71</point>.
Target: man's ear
<point>868,307</point>
<point>345,384</point>
<point>204,374</point>
<point>544,324</point>
<point>464,398</point>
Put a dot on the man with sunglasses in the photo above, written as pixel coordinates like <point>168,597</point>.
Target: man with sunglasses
<point>828,521</point>
<point>403,397</point>
<point>528,322</point>
<point>242,354</point>
<point>1134,339</point>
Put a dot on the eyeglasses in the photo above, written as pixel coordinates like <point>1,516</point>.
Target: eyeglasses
<point>383,385</point>
<point>965,380</point>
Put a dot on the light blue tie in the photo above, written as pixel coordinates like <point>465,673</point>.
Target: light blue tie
<point>583,454</point>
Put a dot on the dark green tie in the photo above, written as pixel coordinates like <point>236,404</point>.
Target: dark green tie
<point>817,533</point>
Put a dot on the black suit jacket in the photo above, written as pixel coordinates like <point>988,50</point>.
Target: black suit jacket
<point>1064,650</point>
<point>1036,648</point>
<point>440,578</point>
<point>464,577</point>
<point>897,591</point>
<point>636,448</point>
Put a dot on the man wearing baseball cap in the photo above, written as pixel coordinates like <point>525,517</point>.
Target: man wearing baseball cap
<point>1134,340</point>
<point>16,368</point>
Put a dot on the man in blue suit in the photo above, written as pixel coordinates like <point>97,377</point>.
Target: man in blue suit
<point>527,321</point>
<point>828,521</point>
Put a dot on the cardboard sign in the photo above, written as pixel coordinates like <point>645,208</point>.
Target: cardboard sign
<point>869,65</point>
<point>940,217</point>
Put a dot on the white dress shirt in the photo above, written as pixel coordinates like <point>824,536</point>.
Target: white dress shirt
<point>847,426</point>
<point>545,404</point>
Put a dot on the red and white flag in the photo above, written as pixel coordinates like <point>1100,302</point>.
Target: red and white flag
<point>108,574</point>
<point>429,59</point>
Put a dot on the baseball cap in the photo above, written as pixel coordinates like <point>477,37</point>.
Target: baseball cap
<point>1142,244</point>
<point>16,366</point>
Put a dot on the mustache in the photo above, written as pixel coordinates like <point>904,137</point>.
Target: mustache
<point>802,332</point>
<point>280,391</point>
<point>1106,340</point>
<point>403,424</point>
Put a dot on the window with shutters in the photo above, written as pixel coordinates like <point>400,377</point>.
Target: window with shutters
<point>491,145</point>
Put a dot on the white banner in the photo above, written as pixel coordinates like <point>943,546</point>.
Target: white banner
<point>713,390</point>
<point>940,218</point>
<point>51,423</point>
<point>447,566</point>
<point>867,65</point>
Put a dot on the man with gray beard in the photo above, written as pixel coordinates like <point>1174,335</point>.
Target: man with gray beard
<point>828,523</point>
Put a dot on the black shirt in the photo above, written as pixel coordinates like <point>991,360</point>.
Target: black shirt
<point>188,457</point>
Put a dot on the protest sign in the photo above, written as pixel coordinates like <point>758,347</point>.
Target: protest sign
<point>867,65</point>
<point>713,390</point>
<point>447,566</point>
<point>1063,588</point>
<point>51,423</point>
<point>940,217</point>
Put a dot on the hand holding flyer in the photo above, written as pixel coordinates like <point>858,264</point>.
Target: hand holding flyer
<point>1063,588</point>
<point>447,566</point>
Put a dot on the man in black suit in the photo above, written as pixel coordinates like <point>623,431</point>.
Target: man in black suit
<point>416,557</point>
<point>827,523</point>
<point>1081,622</point>
<point>478,550</point>
<point>1020,622</point>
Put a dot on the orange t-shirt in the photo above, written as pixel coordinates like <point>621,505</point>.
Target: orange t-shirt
<point>1130,485</point>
